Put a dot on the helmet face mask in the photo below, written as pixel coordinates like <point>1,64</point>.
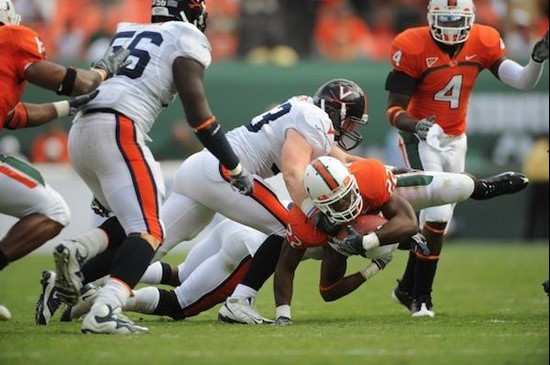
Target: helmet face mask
<point>333,189</point>
<point>8,16</point>
<point>346,105</point>
<point>189,11</point>
<point>451,20</point>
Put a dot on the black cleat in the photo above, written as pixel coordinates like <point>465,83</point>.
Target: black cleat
<point>505,183</point>
<point>402,297</point>
<point>48,302</point>
<point>422,307</point>
<point>546,286</point>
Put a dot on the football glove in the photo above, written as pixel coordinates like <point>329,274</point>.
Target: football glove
<point>79,101</point>
<point>382,262</point>
<point>324,224</point>
<point>283,321</point>
<point>352,244</point>
<point>423,127</point>
<point>416,243</point>
<point>243,182</point>
<point>112,61</point>
<point>541,50</point>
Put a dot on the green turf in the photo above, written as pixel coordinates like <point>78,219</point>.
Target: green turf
<point>490,310</point>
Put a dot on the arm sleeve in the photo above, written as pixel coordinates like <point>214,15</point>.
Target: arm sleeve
<point>28,49</point>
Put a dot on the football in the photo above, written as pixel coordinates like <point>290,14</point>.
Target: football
<point>364,224</point>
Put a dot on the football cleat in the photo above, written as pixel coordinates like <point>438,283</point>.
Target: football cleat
<point>283,321</point>
<point>105,319</point>
<point>241,311</point>
<point>402,297</point>
<point>85,302</point>
<point>422,307</point>
<point>4,313</point>
<point>68,261</point>
<point>546,287</point>
<point>48,302</point>
<point>505,183</point>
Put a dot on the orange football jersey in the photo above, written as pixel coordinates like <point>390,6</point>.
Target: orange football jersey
<point>443,84</point>
<point>20,47</point>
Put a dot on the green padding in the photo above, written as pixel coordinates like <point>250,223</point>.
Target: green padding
<point>24,168</point>
<point>411,145</point>
<point>404,181</point>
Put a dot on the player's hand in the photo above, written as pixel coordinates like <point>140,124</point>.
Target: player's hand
<point>541,50</point>
<point>243,182</point>
<point>416,243</point>
<point>382,262</point>
<point>423,127</point>
<point>76,103</point>
<point>352,244</point>
<point>283,321</point>
<point>112,61</point>
<point>324,224</point>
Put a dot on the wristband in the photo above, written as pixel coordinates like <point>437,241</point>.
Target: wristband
<point>62,108</point>
<point>237,170</point>
<point>102,73</point>
<point>283,311</point>
<point>369,271</point>
<point>370,241</point>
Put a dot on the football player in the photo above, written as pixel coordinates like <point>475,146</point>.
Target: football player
<point>107,146</point>
<point>24,194</point>
<point>434,70</point>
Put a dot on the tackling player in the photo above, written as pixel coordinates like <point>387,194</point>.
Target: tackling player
<point>107,146</point>
<point>24,194</point>
<point>434,70</point>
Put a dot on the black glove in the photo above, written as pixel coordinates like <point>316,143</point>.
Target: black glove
<point>99,209</point>
<point>352,244</point>
<point>283,321</point>
<point>113,61</point>
<point>415,243</point>
<point>79,101</point>
<point>382,262</point>
<point>324,224</point>
<point>243,182</point>
<point>423,127</point>
<point>540,50</point>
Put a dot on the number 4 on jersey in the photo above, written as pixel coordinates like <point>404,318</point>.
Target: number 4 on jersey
<point>451,92</point>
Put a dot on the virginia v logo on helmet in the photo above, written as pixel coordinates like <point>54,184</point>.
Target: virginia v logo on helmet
<point>346,105</point>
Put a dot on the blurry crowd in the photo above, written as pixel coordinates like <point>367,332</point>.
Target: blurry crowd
<point>277,31</point>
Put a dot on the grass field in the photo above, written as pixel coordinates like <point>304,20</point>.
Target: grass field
<point>489,301</point>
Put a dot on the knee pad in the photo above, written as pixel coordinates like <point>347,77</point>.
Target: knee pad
<point>56,208</point>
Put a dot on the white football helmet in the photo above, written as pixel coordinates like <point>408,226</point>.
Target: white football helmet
<point>8,16</point>
<point>451,20</point>
<point>333,189</point>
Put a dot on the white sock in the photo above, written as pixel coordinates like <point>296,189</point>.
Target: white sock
<point>92,243</point>
<point>114,293</point>
<point>153,274</point>
<point>144,300</point>
<point>243,291</point>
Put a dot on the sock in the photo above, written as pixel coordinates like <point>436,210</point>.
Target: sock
<point>168,305</point>
<point>425,274</point>
<point>243,291</point>
<point>263,263</point>
<point>114,231</point>
<point>91,243</point>
<point>3,260</point>
<point>131,260</point>
<point>98,266</point>
<point>114,293</point>
<point>407,281</point>
<point>153,274</point>
<point>144,300</point>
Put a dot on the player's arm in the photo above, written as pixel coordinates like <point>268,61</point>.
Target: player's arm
<point>296,154</point>
<point>189,81</point>
<point>289,260</point>
<point>75,81</point>
<point>523,77</point>
<point>343,156</point>
<point>402,222</point>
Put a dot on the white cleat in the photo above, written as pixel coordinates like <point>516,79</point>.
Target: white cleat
<point>68,262</point>
<point>4,313</point>
<point>423,312</point>
<point>85,302</point>
<point>241,311</point>
<point>105,319</point>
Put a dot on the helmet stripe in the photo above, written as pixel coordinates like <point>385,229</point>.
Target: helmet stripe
<point>325,174</point>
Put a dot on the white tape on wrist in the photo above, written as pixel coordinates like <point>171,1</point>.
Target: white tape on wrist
<point>62,108</point>
<point>283,311</point>
<point>236,171</point>
<point>369,271</point>
<point>370,241</point>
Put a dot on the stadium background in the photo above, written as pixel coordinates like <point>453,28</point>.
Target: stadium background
<point>268,50</point>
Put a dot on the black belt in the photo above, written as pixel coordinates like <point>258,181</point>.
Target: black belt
<point>102,110</point>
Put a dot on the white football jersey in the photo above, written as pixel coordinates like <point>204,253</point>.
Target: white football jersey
<point>141,89</point>
<point>259,143</point>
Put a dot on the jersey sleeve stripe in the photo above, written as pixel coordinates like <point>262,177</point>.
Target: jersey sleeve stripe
<point>12,174</point>
<point>142,177</point>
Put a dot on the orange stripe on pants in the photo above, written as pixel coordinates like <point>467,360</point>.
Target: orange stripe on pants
<point>18,177</point>
<point>144,182</point>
